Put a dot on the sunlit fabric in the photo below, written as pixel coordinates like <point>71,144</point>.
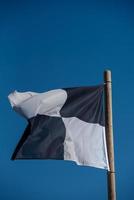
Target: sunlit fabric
<point>64,124</point>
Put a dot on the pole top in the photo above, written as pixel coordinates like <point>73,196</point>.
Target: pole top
<point>107,76</point>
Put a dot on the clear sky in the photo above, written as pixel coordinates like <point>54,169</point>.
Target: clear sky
<point>52,44</point>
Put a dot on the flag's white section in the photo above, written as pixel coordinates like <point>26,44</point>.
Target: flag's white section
<point>29,104</point>
<point>16,98</point>
<point>85,143</point>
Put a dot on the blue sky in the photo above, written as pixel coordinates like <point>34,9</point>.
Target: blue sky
<point>55,44</point>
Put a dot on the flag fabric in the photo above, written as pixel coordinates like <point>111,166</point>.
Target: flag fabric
<point>63,124</point>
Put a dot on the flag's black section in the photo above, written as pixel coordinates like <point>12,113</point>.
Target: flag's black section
<point>85,103</point>
<point>42,139</point>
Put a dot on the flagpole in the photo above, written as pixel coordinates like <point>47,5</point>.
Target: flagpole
<point>109,135</point>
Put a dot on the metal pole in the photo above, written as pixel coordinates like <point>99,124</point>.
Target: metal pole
<point>109,135</point>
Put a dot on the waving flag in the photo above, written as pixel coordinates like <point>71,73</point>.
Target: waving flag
<point>64,124</point>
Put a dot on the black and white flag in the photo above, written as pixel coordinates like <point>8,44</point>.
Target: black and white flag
<point>63,124</point>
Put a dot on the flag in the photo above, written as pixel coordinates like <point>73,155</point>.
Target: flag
<point>63,124</point>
